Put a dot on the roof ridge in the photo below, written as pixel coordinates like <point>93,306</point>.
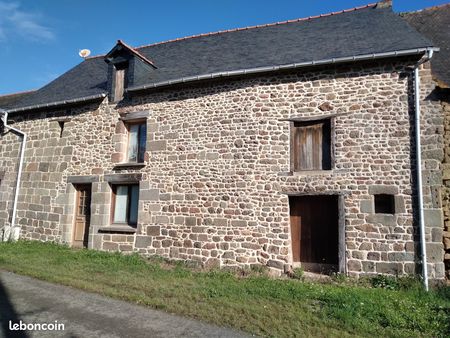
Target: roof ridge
<point>426,9</point>
<point>250,27</point>
<point>258,26</point>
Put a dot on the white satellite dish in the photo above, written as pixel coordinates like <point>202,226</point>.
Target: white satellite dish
<point>84,53</point>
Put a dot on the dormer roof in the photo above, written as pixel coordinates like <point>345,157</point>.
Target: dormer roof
<point>121,51</point>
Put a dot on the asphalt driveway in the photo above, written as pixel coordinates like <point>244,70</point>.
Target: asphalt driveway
<point>87,315</point>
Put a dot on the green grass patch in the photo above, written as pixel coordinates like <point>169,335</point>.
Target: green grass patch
<point>247,301</point>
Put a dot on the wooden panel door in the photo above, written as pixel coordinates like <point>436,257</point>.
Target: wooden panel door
<point>82,216</point>
<point>296,226</point>
<point>314,229</point>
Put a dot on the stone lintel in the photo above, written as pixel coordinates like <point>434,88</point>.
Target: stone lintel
<point>137,165</point>
<point>138,115</point>
<point>383,189</point>
<point>82,179</point>
<point>312,118</point>
<point>315,193</point>
<point>117,228</point>
<point>123,178</point>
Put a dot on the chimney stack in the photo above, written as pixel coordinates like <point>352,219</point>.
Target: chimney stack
<point>384,4</point>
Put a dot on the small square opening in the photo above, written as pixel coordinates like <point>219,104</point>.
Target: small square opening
<point>384,204</point>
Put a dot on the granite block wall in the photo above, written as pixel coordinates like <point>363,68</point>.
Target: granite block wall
<point>217,177</point>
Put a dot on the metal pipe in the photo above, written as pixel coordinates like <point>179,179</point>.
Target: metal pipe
<point>13,233</point>
<point>419,167</point>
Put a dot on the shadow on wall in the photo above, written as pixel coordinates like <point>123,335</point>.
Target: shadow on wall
<point>7,314</point>
<point>415,198</point>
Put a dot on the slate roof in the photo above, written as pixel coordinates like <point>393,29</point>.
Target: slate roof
<point>359,31</point>
<point>10,100</point>
<point>434,23</point>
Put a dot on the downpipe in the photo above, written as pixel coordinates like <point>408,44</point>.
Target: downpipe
<point>12,231</point>
<point>419,166</point>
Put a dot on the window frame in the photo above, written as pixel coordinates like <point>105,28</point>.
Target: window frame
<point>328,123</point>
<point>129,186</point>
<point>140,153</point>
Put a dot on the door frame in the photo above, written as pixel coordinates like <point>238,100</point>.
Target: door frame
<point>342,266</point>
<point>87,225</point>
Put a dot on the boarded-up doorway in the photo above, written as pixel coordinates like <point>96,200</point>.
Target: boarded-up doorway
<point>315,232</point>
<point>82,216</point>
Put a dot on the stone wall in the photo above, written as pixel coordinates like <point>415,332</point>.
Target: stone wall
<point>444,96</point>
<point>9,152</point>
<point>216,185</point>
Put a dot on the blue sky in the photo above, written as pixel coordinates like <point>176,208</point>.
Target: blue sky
<point>40,39</point>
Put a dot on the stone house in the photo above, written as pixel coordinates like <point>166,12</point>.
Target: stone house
<point>287,144</point>
<point>434,23</point>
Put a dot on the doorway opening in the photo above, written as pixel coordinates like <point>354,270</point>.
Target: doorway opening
<point>315,233</point>
<point>82,217</point>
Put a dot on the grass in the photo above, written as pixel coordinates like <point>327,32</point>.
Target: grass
<point>247,301</point>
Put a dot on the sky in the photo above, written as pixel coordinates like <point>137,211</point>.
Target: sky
<point>40,39</point>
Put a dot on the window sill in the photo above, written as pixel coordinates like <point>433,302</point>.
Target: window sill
<point>122,228</point>
<point>307,173</point>
<point>129,165</point>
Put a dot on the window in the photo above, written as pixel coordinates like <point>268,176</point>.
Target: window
<point>125,204</point>
<point>137,137</point>
<point>311,145</point>
<point>384,204</point>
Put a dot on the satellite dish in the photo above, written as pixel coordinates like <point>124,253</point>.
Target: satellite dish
<point>84,53</point>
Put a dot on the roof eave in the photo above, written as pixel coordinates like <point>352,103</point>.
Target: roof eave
<point>354,58</point>
<point>57,103</point>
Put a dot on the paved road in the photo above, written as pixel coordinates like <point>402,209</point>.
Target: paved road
<point>88,315</point>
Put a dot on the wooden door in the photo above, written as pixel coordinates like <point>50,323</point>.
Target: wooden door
<point>314,231</point>
<point>82,216</point>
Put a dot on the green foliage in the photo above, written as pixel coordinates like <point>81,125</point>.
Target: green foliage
<point>384,282</point>
<point>339,277</point>
<point>259,269</point>
<point>298,273</point>
<point>250,301</point>
<point>396,283</point>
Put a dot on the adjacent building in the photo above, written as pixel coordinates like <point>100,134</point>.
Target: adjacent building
<point>434,23</point>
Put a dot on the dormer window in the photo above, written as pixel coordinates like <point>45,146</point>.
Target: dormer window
<point>123,61</point>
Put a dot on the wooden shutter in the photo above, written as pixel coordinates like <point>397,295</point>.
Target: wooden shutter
<point>308,146</point>
<point>119,84</point>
